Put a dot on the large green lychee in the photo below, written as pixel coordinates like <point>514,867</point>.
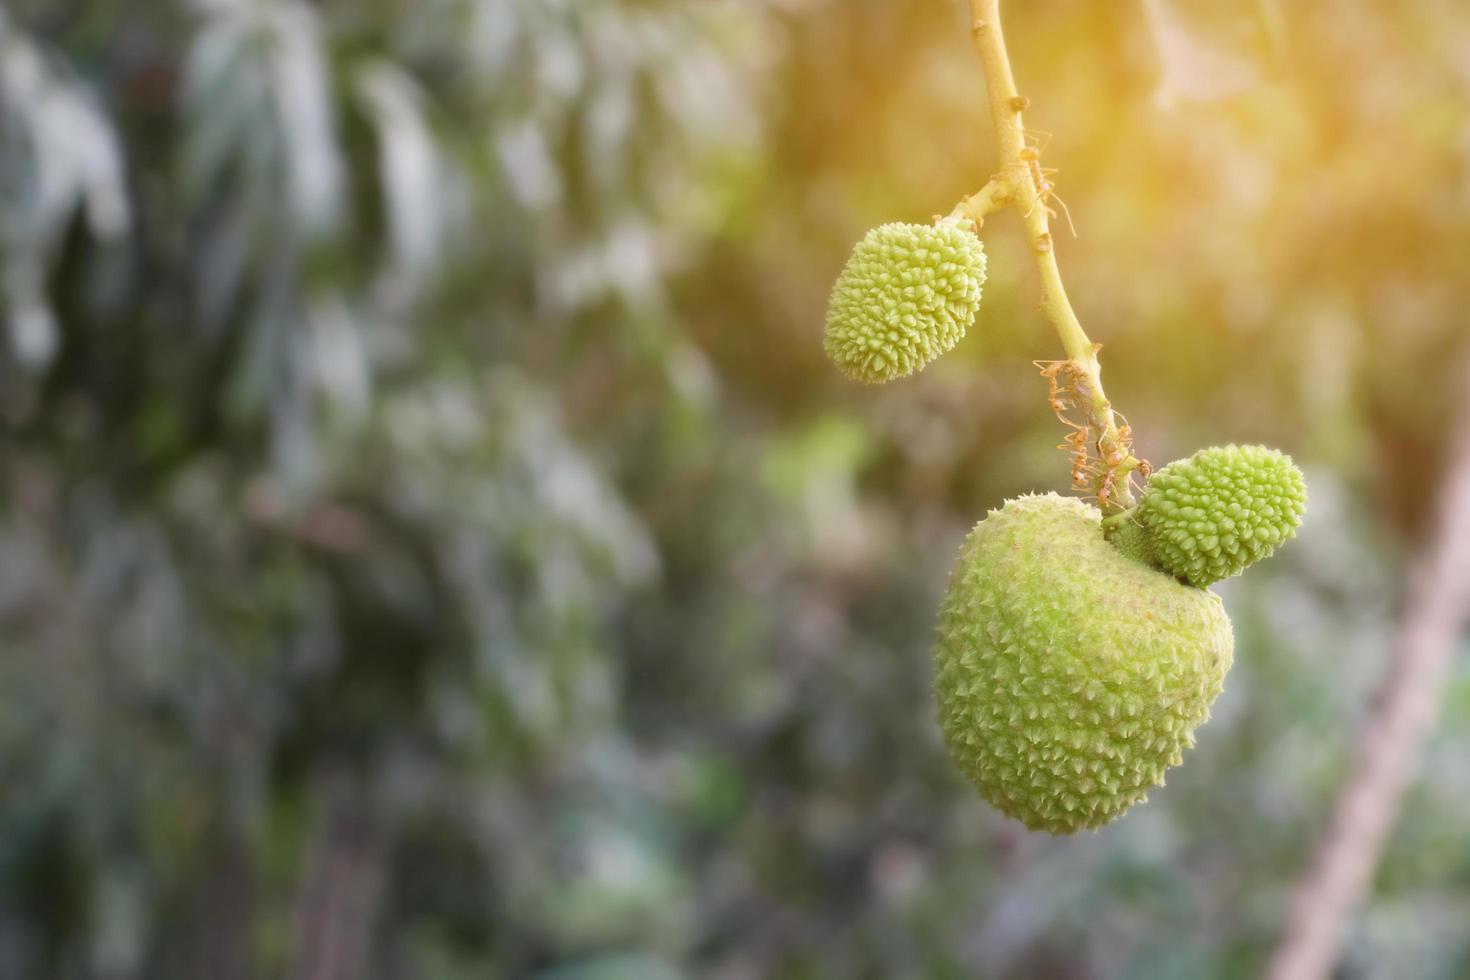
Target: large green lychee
<point>1069,675</point>
<point>905,296</point>
<point>1214,514</point>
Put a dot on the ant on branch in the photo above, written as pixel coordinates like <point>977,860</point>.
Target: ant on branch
<point>1096,461</point>
<point>1041,176</point>
<point>1064,382</point>
<point>1115,454</point>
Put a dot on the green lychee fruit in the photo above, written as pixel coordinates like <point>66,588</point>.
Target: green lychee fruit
<point>906,296</point>
<point>1212,515</point>
<point>1069,676</point>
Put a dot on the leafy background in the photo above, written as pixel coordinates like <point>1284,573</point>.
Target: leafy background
<point>433,545</point>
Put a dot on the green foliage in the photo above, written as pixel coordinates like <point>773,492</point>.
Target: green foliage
<point>905,296</point>
<point>305,550</point>
<point>1215,514</point>
<point>1069,676</point>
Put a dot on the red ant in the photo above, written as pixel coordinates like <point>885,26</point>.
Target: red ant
<point>1041,177</point>
<point>1105,488</point>
<point>1065,381</point>
<point>1096,462</point>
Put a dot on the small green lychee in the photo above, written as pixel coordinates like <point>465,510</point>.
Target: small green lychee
<point>1069,676</point>
<point>1214,514</point>
<point>905,296</point>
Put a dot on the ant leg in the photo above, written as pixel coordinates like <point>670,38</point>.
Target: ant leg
<point>1042,137</point>
<point>1068,212</point>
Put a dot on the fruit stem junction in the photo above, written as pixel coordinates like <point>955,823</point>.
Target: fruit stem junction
<point>1016,184</point>
<point>996,194</point>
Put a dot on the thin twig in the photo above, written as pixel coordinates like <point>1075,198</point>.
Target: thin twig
<point>1402,717</point>
<point>1006,106</point>
<point>996,194</point>
<point>340,894</point>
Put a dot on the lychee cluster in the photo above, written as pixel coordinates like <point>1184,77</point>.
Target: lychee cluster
<point>1076,656</point>
<point>1069,676</point>
<point>1210,516</point>
<point>906,296</point>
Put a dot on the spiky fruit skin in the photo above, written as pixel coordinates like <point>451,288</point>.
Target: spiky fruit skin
<point>1212,515</point>
<point>1069,676</point>
<point>906,296</point>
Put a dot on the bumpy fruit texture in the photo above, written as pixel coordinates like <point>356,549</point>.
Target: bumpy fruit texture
<point>1069,676</point>
<point>1210,516</point>
<point>905,297</point>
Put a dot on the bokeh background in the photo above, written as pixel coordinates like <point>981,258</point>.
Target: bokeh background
<point>432,543</point>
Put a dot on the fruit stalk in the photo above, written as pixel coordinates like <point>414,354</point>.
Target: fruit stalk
<point>996,194</point>
<point>1016,177</point>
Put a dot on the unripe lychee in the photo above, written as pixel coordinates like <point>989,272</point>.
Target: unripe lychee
<point>1069,676</point>
<point>905,297</point>
<point>1212,515</point>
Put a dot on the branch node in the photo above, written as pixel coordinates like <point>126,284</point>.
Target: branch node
<point>1020,103</point>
